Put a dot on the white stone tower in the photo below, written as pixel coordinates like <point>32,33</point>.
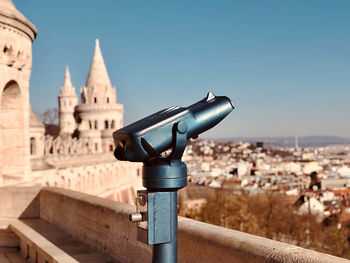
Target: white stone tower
<point>16,37</point>
<point>67,100</point>
<point>99,114</point>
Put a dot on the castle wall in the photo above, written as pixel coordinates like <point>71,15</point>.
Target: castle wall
<point>15,70</point>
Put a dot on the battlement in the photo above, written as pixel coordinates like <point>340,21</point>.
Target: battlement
<point>57,225</point>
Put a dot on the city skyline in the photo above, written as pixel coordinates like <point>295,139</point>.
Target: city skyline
<point>285,66</point>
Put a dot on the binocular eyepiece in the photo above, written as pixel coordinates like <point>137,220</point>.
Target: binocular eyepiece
<point>150,136</point>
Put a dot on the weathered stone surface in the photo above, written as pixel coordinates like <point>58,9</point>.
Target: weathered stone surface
<point>96,224</point>
<point>19,202</point>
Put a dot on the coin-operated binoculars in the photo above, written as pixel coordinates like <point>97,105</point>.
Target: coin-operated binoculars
<point>162,176</point>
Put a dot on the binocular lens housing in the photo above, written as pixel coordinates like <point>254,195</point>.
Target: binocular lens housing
<point>150,136</point>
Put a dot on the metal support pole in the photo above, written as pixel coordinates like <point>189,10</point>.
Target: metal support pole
<point>167,252</point>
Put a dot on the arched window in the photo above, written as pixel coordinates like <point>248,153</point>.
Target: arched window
<point>106,124</point>
<point>96,146</point>
<point>12,127</point>
<point>96,125</point>
<point>113,124</point>
<point>95,99</point>
<point>107,99</point>
<point>90,125</point>
<point>7,50</point>
<point>32,146</point>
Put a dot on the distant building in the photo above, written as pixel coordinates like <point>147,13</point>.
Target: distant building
<point>264,144</point>
<point>331,183</point>
<point>310,205</point>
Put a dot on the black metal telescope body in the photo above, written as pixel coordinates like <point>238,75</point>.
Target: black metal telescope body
<point>145,141</point>
<point>150,136</point>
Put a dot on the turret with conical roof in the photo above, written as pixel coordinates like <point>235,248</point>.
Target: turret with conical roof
<point>98,75</point>
<point>99,114</point>
<point>67,89</point>
<point>98,88</point>
<point>67,100</point>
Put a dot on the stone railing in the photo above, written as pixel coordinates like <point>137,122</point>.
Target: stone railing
<point>67,146</point>
<point>104,226</point>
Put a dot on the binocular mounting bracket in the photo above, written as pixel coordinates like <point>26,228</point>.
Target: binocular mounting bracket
<point>156,215</point>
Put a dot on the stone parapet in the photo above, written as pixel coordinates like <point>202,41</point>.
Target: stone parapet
<point>201,242</point>
<point>198,242</point>
<point>103,226</point>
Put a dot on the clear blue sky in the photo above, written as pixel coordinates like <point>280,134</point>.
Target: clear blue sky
<point>284,64</point>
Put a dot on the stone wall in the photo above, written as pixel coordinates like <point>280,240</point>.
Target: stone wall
<point>105,226</point>
<point>19,202</point>
<point>14,106</point>
<point>16,37</point>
